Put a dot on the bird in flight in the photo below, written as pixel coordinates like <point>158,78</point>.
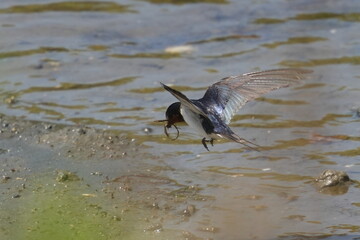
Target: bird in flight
<point>211,114</point>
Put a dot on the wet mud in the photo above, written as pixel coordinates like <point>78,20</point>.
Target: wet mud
<point>54,184</point>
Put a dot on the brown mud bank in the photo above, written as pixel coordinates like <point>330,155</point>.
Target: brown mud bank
<point>75,182</point>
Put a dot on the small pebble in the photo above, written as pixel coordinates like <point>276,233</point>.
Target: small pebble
<point>147,130</point>
<point>189,211</point>
<point>180,49</point>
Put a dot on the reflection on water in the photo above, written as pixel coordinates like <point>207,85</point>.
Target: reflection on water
<point>93,121</point>
<point>55,105</point>
<point>282,102</point>
<point>121,109</point>
<point>328,119</point>
<point>161,55</point>
<point>347,153</point>
<point>68,7</point>
<point>99,64</point>
<point>160,89</point>
<point>269,21</point>
<point>76,86</point>
<point>258,174</point>
<point>231,54</point>
<point>40,50</point>
<point>294,40</point>
<point>352,17</point>
<point>180,2</point>
<point>224,38</point>
<point>36,109</point>
<point>318,62</point>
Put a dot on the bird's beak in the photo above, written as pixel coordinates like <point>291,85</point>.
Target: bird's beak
<point>165,120</point>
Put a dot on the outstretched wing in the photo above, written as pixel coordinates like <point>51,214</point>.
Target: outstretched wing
<point>184,100</point>
<point>231,93</point>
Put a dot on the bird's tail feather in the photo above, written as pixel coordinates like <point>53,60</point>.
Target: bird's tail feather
<point>238,139</point>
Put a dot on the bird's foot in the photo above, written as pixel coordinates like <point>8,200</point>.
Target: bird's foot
<point>204,141</point>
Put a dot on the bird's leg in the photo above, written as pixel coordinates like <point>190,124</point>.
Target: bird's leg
<point>203,141</point>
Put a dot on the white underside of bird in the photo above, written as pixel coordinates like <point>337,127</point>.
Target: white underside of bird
<point>194,121</point>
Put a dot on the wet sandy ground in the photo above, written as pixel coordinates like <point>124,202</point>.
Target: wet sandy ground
<point>79,182</point>
<point>82,158</point>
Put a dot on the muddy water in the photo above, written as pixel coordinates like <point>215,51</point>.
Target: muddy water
<point>82,158</point>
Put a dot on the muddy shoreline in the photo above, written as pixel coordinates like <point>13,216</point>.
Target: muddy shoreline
<point>51,171</point>
<point>79,178</point>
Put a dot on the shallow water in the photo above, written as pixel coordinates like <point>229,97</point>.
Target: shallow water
<point>99,64</point>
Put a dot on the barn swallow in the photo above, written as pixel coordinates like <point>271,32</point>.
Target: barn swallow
<point>211,114</point>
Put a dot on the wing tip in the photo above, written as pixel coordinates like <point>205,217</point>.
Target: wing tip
<point>280,71</point>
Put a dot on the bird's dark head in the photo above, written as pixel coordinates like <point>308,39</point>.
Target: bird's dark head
<point>173,116</point>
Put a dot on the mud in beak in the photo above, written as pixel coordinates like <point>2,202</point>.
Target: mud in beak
<point>167,126</point>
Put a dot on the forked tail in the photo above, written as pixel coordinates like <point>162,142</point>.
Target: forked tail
<point>234,137</point>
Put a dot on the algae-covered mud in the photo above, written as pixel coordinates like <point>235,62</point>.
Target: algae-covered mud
<point>81,156</point>
<point>80,183</point>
